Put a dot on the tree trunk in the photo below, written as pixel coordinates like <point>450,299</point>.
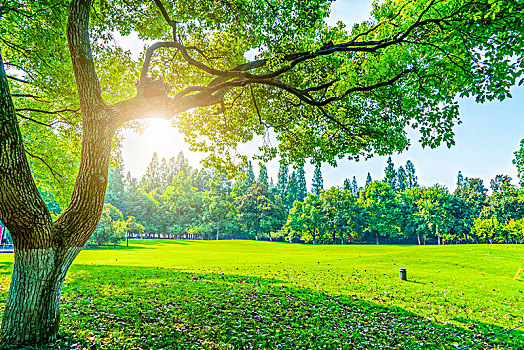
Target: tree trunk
<point>418,237</point>
<point>376,236</point>
<point>32,312</point>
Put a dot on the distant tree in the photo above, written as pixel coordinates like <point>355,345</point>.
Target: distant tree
<point>391,175</point>
<point>473,196</point>
<point>501,183</point>
<point>401,180</point>
<point>340,213</point>
<point>250,175</point>
<point>258,212</point>
<point>318,181</point>
<point>411,178</point>
<point>411,223</point>
<point>368,179</point>
<point>262,177</point>
<point>183,204</point>
<point>347,185</point>
<point>152,179</point>
<point>292,191</point>
<point>380,209</point>
<point>217,204</point>
<point>134,229</point>
<point>488,230</point>
<point>111,228</point>
<point>506,201</point>
<point>460,180</point>
<point>515,230</point>
<point>301,184</point>
<point>518,161</point>
<point>115,187</point>
<point>282,179</point>
<point>136,201</point>
<point>200,179</point>
<point>306,219</point>
<point>181,165</point>
<point>435,207</point>
<point>354,186</point>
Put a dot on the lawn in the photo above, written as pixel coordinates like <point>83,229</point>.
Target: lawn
<point>246,294</point>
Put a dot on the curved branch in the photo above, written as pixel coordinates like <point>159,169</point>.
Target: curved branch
<point>47,112</point>
<point>53,172</point>
<point>34,120</point>
<point>18,79</point>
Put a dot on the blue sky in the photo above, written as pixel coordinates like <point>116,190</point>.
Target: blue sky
<point>485,141</point>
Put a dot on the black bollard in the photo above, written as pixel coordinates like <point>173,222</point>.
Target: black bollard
<point>403,274</point>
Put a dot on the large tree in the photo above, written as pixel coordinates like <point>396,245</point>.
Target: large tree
<point>327,92</point>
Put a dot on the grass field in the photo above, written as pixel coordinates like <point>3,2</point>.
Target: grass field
<point>245,294</point>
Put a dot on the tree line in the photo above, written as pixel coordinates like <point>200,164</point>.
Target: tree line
<point>174,200</point>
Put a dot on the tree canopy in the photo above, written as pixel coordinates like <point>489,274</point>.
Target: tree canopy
<point>232,70</point>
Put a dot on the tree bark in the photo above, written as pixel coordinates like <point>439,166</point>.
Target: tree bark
<point>32,312</point>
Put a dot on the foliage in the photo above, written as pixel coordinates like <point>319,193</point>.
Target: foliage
<point>435,208</point>
<point>488,230</point>
<point>112,228</point>
<point>318,181</point>
<point>380,210</point>
<point>208,204</point>
<point>519,162</point>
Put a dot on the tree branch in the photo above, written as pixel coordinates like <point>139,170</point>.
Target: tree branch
<point>47,112</point>
<point>18,79</point>
<point>34,120</point>
<point>54,173</point>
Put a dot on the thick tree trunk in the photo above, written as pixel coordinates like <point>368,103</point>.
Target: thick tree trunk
<point>32,312</point>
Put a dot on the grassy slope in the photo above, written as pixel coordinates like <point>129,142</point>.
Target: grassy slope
<point>241,294</point>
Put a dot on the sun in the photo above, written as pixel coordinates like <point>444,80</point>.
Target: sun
<point>159,136</point>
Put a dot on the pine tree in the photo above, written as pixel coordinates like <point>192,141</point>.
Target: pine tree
<point>411,178</point>
<point>163,174</point>
<point>301,183</point>
<point>170,171</point>
<point>368,179</point>
<point>181,165</point>
<point>391,175</point>
<point>250,175</point>
<point>291,190</point>
<point>347,185</point>
<point>354,186</point>
<point>115,187</point>
<point>401,179</point>
<point>151,179</point>
<point>318,181</point>
<point>283,174</point>
<point>262,176</point>
<point>460,180</point>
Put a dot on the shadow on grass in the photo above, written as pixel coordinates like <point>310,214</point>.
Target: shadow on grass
<point>138,244</point>
<point>6,268</point>
<point>115,307</point>
<point>415,282</point>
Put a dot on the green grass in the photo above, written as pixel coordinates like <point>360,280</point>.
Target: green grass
<point>245,294</point>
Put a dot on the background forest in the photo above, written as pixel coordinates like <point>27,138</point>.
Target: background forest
<point>174,200</point>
